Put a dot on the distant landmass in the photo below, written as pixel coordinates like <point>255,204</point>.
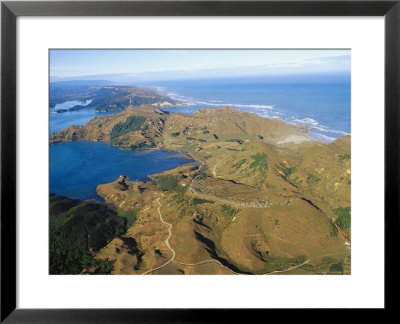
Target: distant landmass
<point>104,96</point>
<point>264,197</point>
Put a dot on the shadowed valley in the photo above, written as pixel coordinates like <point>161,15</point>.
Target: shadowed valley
<point>264,197</point>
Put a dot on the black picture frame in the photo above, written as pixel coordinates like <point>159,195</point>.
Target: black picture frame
<point>10,10</point>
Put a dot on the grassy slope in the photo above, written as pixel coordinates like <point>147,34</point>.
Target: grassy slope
<point>284,195</point>
<point>77,230</point>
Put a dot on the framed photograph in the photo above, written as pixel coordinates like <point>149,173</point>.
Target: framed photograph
<point>197,155</point>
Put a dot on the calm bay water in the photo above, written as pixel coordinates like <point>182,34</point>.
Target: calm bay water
<point>321,102</point>
<point>76,168</point>
<point>59,121</point>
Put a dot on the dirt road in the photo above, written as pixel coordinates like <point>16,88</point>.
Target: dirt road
<point>165,241</point>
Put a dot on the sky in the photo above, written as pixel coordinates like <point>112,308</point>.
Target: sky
<point>127,66</point>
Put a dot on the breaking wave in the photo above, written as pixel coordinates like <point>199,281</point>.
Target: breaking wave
<point>317,130</point>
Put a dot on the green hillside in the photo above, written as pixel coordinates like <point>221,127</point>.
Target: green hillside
<point>77,229</point>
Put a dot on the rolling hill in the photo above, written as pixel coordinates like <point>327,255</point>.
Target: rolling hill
<point>265,198</point>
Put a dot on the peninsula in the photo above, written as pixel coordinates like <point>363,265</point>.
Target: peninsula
<point>264,197</point>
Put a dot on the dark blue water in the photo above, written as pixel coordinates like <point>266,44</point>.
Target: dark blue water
<point>76,168</point>
<point>320,101</point>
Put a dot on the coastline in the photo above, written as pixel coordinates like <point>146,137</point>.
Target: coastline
<point>176,157</point>
<point>312,124</point>
<point>107,200</point>
<point>296,138</point>
<point>315,130</point>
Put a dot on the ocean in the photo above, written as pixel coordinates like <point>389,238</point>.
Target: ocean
<point>322,102</point>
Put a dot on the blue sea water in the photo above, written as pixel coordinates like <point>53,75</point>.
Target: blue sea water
<point>322,102</point>
<point>76,168</point>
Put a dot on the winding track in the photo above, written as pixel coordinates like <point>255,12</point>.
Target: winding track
<point>166,241</point>
<point>203,262</point>
<point>173,251</point>
<point>291,268</point>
